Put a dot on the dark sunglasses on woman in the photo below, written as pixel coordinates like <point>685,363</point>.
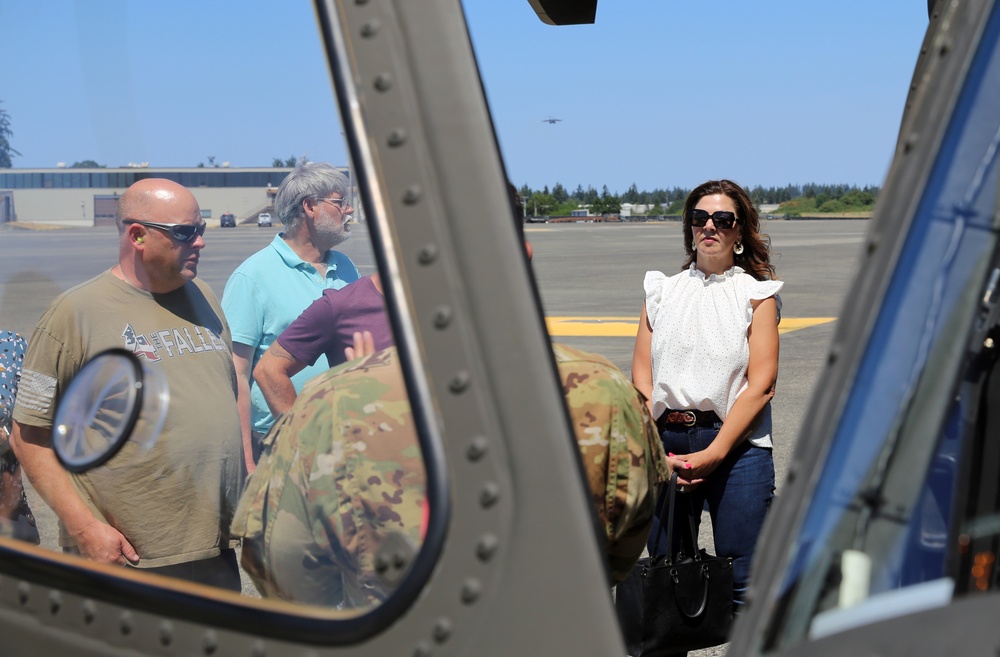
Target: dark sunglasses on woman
<point>720,218</point>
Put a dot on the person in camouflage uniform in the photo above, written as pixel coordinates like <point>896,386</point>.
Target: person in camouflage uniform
<point>342,471</point>
<point>337,473</point>
<point>619,445</point>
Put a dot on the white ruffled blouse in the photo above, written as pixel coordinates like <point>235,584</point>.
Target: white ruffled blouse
<point>699,346</point>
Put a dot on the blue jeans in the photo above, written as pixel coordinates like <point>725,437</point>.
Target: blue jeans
<point>737,494</point>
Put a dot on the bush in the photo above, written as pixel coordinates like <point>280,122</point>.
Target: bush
<point>832,206</point>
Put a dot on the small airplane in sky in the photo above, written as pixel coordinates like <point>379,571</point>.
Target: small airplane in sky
<point>551,120</point>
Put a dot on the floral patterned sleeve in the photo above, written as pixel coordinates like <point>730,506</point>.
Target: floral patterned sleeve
<point>12,348</point>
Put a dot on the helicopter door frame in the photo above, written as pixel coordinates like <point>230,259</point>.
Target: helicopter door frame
<point>432,176</point>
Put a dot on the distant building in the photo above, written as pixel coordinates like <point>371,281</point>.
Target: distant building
<point>88,197</point>
<point>628,209</point>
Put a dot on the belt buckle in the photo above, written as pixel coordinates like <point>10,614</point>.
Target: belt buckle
<point>684,418</point>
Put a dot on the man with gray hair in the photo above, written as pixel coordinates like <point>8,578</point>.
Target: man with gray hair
<point>273,286</point>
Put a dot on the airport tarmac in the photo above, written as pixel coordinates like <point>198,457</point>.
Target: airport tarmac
<point>589,277</point>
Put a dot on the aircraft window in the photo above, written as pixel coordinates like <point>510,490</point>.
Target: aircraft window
<point>876,532</point>
<point>337,514</point>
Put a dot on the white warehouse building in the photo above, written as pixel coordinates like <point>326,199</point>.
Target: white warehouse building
<point>88,197</point>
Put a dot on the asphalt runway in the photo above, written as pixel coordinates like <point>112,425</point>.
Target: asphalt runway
<point>590,273</point>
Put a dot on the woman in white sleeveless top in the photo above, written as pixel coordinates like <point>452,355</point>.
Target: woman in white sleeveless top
<point>706,357</point>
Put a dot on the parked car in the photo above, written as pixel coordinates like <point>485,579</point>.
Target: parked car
<point>227,220</point>
<point>264,219</point>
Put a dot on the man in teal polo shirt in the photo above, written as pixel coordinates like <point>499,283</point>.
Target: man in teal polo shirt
<point>273,286</point>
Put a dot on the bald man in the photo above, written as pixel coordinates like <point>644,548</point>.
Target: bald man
<point>168,508</point>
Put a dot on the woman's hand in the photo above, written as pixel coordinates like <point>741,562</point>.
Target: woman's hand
<point>684,470</point>
<point>694,468</point>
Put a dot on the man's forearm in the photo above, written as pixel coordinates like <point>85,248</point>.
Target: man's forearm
<point>279,392</point>
<point>246,430</point>
<point>273,374</point>
<point>242,357</point>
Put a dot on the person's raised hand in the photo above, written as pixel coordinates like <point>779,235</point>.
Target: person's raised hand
<point>364,345</point>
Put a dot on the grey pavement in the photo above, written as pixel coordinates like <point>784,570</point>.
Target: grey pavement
<point>581,269</point>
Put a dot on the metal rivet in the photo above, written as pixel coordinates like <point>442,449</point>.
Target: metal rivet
<point>428,253</point>
<point>460,382</point>
<point>166,633</point>
<point>383,82</point>
<point>210,643</point>
<point>471,590</point>
<point>487,547</point>
<point>397,138</point>
<point>489,495</point>
<point>442,317</point>
<point>23,592</point>
<point>412,194</point>
<point>89,611</point>
<point>55,602</point>
<point>370,29</point>
<point>988,343</point>
<point>442,630</point>
<point>125,623</point>
<point>422,650</point>
<point>477,448</point>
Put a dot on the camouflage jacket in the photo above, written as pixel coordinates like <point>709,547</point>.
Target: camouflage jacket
<point>342,471</point>
<point>620,448</point>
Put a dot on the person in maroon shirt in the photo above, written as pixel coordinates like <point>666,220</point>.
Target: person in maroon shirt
<point>325,327</point>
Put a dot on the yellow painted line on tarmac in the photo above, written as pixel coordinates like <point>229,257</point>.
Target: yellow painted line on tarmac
<point>625,327</point>
<point>789,324</point>
<point>607,327</point>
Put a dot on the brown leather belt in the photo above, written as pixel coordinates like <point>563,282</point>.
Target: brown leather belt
<point>674,418</point>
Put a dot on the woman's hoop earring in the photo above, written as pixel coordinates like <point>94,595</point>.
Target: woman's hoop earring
<point>738,249</point>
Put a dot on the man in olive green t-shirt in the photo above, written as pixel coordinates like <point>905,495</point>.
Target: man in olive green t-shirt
<point>166,509</point>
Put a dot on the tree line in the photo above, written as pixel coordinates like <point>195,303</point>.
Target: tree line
<point>792,199</point>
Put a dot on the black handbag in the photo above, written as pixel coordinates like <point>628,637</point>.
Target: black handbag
<point>673,603</point>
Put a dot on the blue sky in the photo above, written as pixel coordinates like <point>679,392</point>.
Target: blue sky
<point>660,93</point>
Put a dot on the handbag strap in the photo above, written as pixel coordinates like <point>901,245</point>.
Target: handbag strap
<point>668,501</point>
<point>692,532</point>
<point>669,493</point>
